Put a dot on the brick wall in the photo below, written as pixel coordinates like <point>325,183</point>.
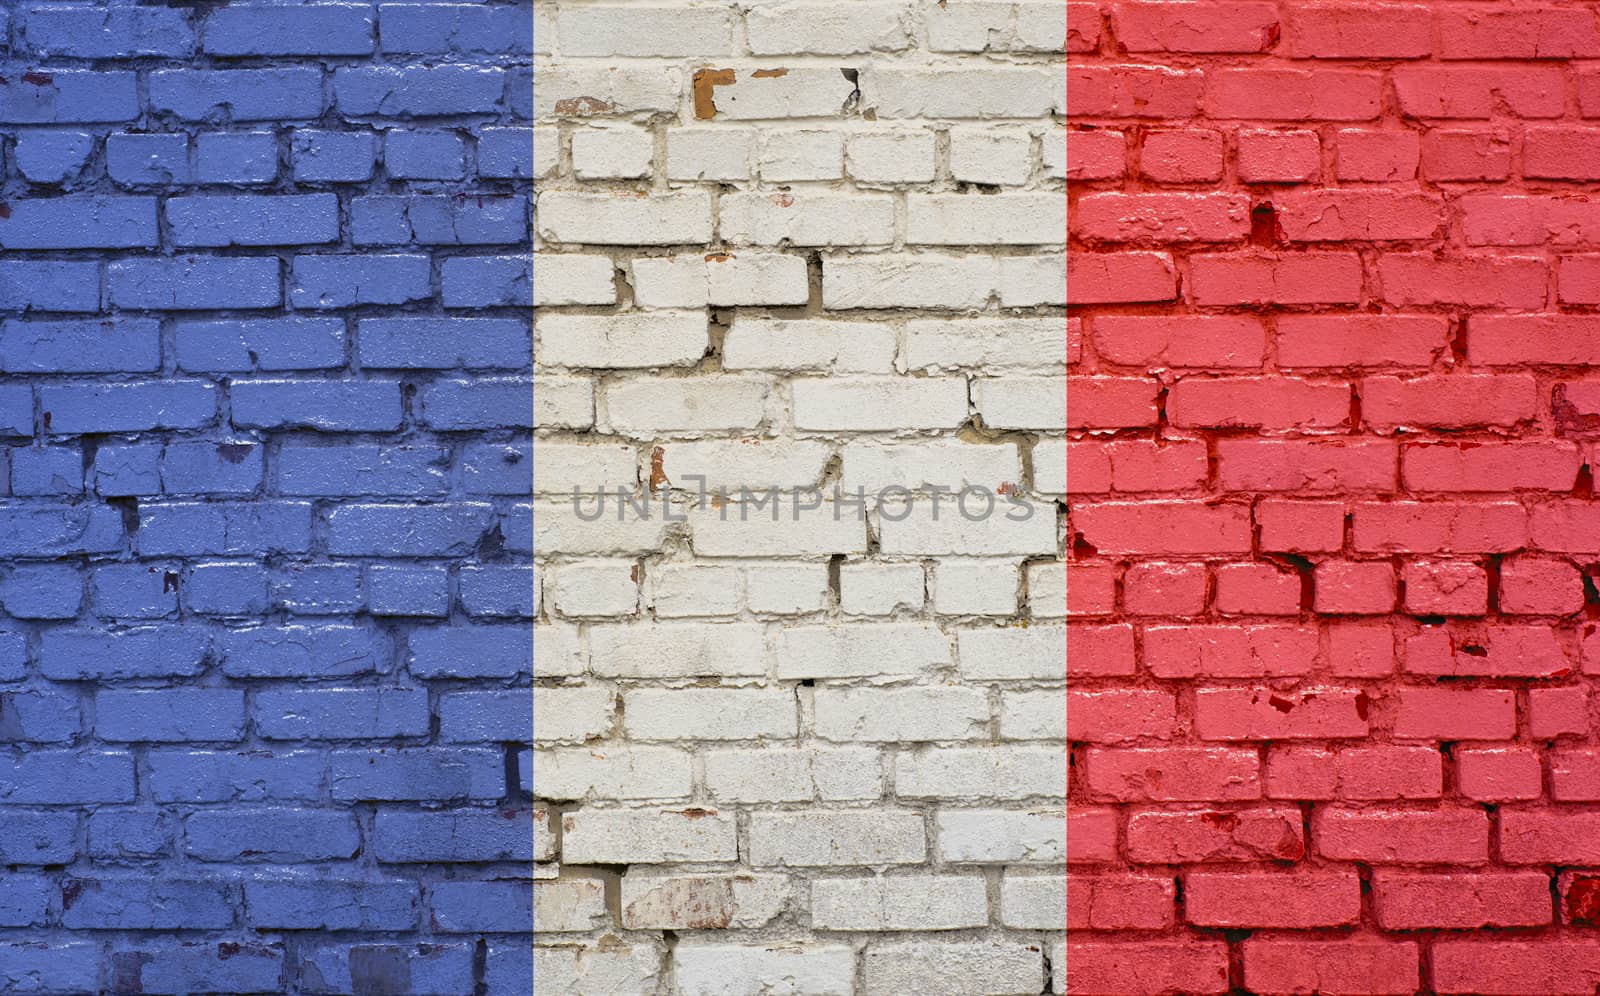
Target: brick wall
<point>264,353</point>
<point>794,246</point>
<point>1332,416</point>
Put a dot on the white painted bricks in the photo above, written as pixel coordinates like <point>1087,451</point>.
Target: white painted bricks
<point>798,266</point>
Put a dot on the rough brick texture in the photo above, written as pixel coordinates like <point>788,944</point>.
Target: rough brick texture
<point>791,247</point>
<point>1332,414</point>
<point>264,541</point>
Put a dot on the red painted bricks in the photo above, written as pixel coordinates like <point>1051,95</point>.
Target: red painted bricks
<point>1333,413</point>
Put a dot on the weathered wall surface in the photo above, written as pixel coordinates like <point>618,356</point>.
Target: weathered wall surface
<point>264,540</point>
<point>793,246</point>
<point>1332,406</point>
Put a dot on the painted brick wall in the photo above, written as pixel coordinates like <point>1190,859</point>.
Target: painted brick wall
<point>264,547</point>
<point>796,245</point>
<point>1332,414</point>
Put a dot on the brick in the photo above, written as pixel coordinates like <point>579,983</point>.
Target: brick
<point>1439,527</point>
<point>1167,156</point>
<point>1491,220</point>
<point>84,34</point>
<point>1297,899</point>
<point>1337,215</point>
<point>97,222</point>
<point>1157,837</point>
<point>139,903</point>
<point>470,835</point>
<point>1138,466</point>
<point>1554,712</point>
<point>1499,775</point>
<point>721,153</point>
<point>1133,91</point>
<point>1000,158</point>
<point>1511,282</point>
<point>713,714</point>
<point>424,774</point>
<point>341,714</point>
<point>267,343</point>
<point>1502,467</point>
<point>1174,774</point>
<point>585,91</point>
<point>345,281</point>
<point>562,714</point>
<point>1162,218</point>
<point>1243,714</point>
<point>943,902</point>
<point>831,773</point>
<point>1509,649</point>
<point>1515,966</point>
<point>50,285</point>
<point>226,589</point>
<point>1229,651</point>
<point>170,715</point>
<point>1014,773</point>
<point>455,28</point>
<point>710,967</point>
<point>812,220</point>
<point>1307,965</point>
<point>1376,156</point>
<point>1168,527</point>
<point>1156,588</point>
<point>1444,836</point>
<point>242,94</point>
<point>694,835</point>
<point>1466,155</point>
<point>330,29</point>
<point>1292,94</point>
<point>1099,155</point>
<point>1445,588</point>
<point>603,219</point>
<point>1366,31</point>
<point>1531,34</point>
<point>422,92</point>
<point>1083,27</point>
<point>1118,902</point>
<point>176,404</point>
<point>801,155</point>
<point>601,153</point>
<point>1168,27</point>
<point>900,715</point>
<point>179,775</point>
<point>1354,588</point>
<point>1306,466</point>
<point>1459,92</point>
<point>1286,278</point>
<point>52,156</point>
<point>1265,403</point>
<point>321,405</point>
<point>432,966</point>
<point>1149,966</point>
<point>1300,526</point>
<point>1006,219</point>
<point>1279,156</point>
<point>982,92</point>
<point>1359,773</point>
<point>1001,837</point>
<point>1455,714</point>
<point>634,773</point>
<point>1119,277</point>
<point>332,156</point>
<point>193,528</point>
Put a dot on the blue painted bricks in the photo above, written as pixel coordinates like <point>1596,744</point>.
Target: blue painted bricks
<point>265,565</point>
